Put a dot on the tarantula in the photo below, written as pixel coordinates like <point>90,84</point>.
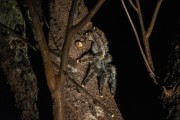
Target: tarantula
<point>99,60</point>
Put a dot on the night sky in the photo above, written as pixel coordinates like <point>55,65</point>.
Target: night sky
<point>137,97</point>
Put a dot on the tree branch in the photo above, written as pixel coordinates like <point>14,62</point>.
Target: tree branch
<point>148,33</point>
<point>64,59</point>
<point>145,35</point>
<point>42,43</point>
<point>71,30</point>
<point>71,14</point>
<point>143,32</point>
<point>88,17</point>
<point>133,5</point>
<point>139,12</point>
<point>153,20</point>
<point>68,39</point>
<point>151,73</point>
<point>56,95</point>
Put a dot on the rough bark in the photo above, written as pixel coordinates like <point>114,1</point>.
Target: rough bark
<point>20,76</point>
<point>79,104</point>
<point>14,60</point>
<point>16,66</point>
<point>171,98</point>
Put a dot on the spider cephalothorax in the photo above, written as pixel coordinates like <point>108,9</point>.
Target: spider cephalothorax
<point>99,60</point>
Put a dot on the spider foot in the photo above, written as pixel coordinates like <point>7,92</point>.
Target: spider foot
<point>83,84</point>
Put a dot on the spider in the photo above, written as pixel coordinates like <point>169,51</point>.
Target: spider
<point>99,60</point>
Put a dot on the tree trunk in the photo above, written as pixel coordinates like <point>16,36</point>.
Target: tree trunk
<point>80,103</point>
<point>14,60</point>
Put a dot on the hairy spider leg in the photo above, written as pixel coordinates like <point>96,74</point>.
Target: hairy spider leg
<point>91,71</point>
<point>87,57</point>
<point>112,78</point>
<point>102,79</point>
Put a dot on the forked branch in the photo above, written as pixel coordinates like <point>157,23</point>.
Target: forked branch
<point>149,69</point>
<point>133,5</point>
<point>145,34</point>
<point>70,32</point>
<point>56,95</point>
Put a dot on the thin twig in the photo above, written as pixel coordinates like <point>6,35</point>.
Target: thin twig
<point>148,33</point>
<point>133,5</point>
<point>88,17</point>
<point>139,12</point>
<point>145,40</point>
<point>68,37</point>
<point>151,73</point>
<point>71,14</point>
<point>153,20</point>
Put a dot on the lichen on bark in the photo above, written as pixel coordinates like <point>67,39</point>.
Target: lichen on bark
<point>14,60</point>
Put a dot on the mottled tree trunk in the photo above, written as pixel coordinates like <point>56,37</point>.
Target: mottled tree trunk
<point>21,78</point>
<point>14,60</point>
<point>79,104</point>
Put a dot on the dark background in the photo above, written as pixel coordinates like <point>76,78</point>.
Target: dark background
<point>137,97</point>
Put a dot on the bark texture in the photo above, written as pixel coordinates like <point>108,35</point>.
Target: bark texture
<point>14,60</point>
<point>20,76</point>
<point>15,64</point>
<point>171,98</point>
<point>79,105</point>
